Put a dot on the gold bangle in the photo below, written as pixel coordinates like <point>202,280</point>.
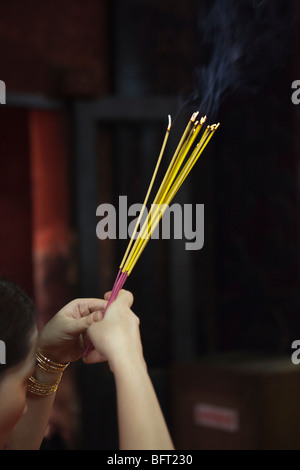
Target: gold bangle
<point>42,389</point>
<point>48,365</point>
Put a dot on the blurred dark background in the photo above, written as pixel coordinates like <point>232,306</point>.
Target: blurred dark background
<point>89,87</point>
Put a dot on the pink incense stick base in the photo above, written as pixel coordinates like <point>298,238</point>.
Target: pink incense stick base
<point>119,283</point>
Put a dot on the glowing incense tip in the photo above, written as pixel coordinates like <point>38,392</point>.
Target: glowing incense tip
<point>194,116</point>
<point>203,119</point>
<point>170,123</point>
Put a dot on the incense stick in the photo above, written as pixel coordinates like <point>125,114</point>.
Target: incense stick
<point>178,170</point>
<point>166,199</point>
<point>182,148</point>
<point>149,189</point>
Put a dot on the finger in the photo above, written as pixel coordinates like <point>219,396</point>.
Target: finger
<point>97,316</point>
<point>107,295</point>
<point>87,306</point>
<point>80,325</point>
<point>126,296</point>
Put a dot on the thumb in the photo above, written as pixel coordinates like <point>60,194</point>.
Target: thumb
<point>80,325</point>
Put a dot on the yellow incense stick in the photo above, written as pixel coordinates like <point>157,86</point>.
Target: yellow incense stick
<point>147,228</point>
<point>172,181</point>
<point>163,206</point>
<point>180,147</point>
<point>149,189</point>
<point>179,155</point>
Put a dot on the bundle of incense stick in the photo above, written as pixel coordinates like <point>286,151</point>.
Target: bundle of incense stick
<point>184,158</point>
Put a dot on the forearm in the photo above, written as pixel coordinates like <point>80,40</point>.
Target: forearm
<point>30,430</point>
<point>141,423</point>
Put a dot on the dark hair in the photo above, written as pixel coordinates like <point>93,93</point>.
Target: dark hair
<point>17,323</point>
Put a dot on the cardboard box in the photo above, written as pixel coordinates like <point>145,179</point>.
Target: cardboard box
<point>236,403</point>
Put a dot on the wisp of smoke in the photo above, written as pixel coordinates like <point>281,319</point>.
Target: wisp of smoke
<point>246,40</point>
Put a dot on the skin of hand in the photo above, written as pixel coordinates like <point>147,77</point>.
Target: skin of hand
<point>63,338</point>
<point>117,336</point>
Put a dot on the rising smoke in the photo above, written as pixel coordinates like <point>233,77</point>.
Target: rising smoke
<point>246,41</point>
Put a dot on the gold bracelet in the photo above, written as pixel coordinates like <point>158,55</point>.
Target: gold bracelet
<point>48,365</point>
<point>42,389</point>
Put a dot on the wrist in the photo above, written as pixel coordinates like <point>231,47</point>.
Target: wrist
<point>47,376</point>
<point>52,353</point>
<point>48,363</point>
<point>120,364</point>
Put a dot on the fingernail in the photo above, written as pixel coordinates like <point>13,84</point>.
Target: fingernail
<point>98,316</point>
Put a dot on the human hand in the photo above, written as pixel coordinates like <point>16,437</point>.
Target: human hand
<point>63,338</point>
<point>116,337</point>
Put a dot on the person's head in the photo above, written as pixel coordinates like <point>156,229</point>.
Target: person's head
<point>18,335</point>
